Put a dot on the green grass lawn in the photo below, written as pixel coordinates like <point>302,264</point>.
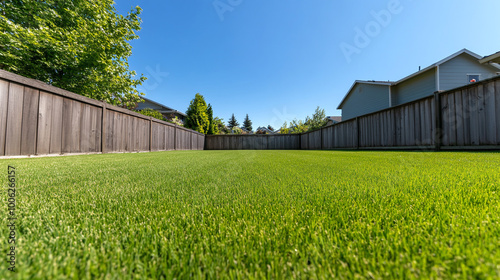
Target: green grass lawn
<point>255,214</point>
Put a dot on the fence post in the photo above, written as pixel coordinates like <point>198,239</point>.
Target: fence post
<point>150,133</point>
<point>175,137</point>
<point>205,147</point>
<point>103,128</point>
<point>321,138</point>
<point>357,133</point>
<point>300,141</point>
<point>438,122</point>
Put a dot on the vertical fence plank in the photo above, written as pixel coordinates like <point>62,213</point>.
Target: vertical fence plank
<point>92,148</point>
<point>437,121</point>
<point>4,97</point>
<point>481,115</point>
<point>123,132</point>
<point>474,116</point>
<point>490,114</point>
<point>30,121</point>
<point>44,123</point>
<point>76,121</point>
<point>67,112</point>
<point>130,133</point>
<point>56,128</point>
<point>452,121</point>
<point>459,120</point>
<point>104,128</point>
<point>497,109</point>
<point>14,120</point>
<point>85,129</point>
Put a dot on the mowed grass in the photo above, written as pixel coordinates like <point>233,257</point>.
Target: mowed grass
<point>257,214</point>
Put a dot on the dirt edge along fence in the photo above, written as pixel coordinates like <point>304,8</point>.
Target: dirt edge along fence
<point>39,119</point>
<point>464,118</point>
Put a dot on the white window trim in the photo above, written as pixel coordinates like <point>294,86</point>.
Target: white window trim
<point>468,79</point>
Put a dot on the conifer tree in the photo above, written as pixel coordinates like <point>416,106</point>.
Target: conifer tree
<point>232,122</point>
<point>247,123</point>
<point>212,127</point>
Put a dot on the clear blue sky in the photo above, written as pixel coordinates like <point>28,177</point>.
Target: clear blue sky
<point>278,60</point>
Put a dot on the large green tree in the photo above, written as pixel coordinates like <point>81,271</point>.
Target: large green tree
<point>78,45</point>
<point>317,120</point>
<point>197,117</point>
<point>247,123</point>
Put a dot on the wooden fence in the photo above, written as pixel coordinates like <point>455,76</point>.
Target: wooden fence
<point>38,119</point>
<point>463,118</point>
<point>253,142</point>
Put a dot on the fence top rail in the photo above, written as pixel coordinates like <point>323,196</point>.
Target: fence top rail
<point>18,79</point>
<point>11,77</point>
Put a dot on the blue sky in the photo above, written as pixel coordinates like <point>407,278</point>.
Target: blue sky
<point>279,60</point>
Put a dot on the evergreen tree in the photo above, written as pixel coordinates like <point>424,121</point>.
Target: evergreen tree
<point>247,123</point>
<point>197,117</point>
<point>232,122</point>
<point>212,127</point>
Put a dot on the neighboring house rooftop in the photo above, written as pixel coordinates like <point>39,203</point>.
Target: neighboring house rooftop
<point>494,58</point>
<point>390,83</point>
<point>164,109</point>
<point>334,119</point>
<point>265,129</point>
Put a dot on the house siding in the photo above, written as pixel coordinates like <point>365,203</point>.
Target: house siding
<point>415,88</point>
<point>365,99</point>
<point>453,73</point>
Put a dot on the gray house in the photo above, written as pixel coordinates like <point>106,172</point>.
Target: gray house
<point>457,70</point>
<point>166,111</point>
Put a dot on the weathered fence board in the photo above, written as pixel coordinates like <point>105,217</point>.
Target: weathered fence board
<point>4,97</point>
<point>497,110</point>
<point>29,123</point>
<point>14,120</point>
<point>57,125</point>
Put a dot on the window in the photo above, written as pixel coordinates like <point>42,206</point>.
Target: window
<point>473,78</point>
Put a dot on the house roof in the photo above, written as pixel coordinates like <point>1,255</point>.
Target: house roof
<point>494,58</point>
<point>165,109</point>
<point>463,51</point>
<point>432,66</point>
<point>335,118</point>
<point>262,128</point>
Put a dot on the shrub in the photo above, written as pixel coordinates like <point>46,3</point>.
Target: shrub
<point>152,113</point>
